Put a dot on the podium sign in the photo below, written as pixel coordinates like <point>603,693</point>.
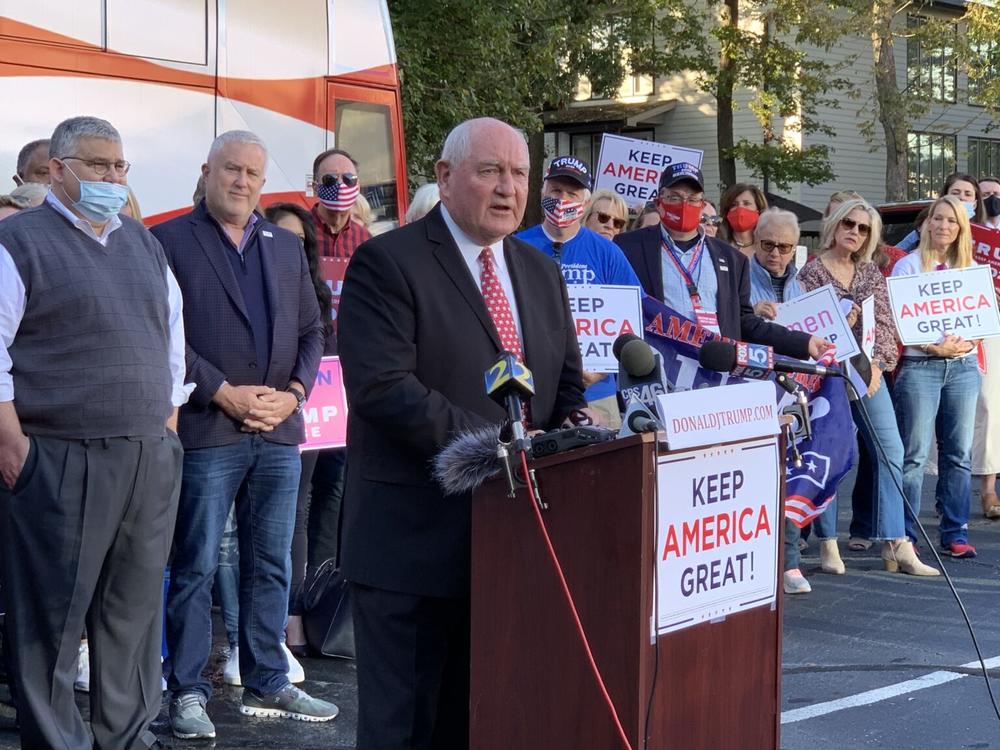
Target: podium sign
<point>718,525</point>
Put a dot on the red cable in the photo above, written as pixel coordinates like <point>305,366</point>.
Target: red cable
<point>572,605</point>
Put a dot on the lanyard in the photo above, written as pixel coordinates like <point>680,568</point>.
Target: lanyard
<point>687,273</point>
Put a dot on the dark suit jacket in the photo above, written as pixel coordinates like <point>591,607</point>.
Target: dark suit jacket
<point>737,320</point>
<point>415,341</point>
<point>220,345</point>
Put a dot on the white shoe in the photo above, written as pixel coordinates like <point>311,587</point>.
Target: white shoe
<point>231,672</point>
<point>296,673</point>
<point>795,582</point>
<point>82,681</point>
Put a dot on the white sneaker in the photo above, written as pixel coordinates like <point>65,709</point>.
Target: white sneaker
<point>296,673</point>
<point>82,681</point>
<point>231,672</point>
<point>795,582</point>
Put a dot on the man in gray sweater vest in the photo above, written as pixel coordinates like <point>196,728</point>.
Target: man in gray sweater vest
<point>92,349</point>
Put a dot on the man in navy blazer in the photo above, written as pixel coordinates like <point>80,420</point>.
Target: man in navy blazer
<point>253,354</point>
<point>417,332</point>
<point>703,277</point>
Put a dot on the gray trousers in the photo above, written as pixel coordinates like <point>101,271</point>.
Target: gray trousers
<point>84,538</point>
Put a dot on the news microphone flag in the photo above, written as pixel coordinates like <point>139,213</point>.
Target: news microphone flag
<point>506,373</point>
<point>753,361</point>
<point>827,456</point>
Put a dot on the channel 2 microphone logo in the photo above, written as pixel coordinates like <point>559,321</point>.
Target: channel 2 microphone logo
<point>753,360</point>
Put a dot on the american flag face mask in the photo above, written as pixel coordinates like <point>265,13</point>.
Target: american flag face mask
<point>562,213</point>
<point>335,195</point>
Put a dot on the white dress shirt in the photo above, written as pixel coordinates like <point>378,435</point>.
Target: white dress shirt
<point>470,251</point>
<point>13,302</point>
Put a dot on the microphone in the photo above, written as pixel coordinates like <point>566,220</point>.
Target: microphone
<point>507,382</point>
<point>640,371</point>
<point>469,460</point>
<point>637,419</point>
<point>754,361</point>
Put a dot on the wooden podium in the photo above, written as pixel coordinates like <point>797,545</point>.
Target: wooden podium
<point>714,685</point>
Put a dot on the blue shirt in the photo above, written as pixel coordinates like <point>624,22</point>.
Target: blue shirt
<point>588,258</point>
<point>675,291</point>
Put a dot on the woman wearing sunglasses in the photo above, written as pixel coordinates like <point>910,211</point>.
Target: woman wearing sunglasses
<point>849,236</point>
<point>606,213</point>
<point>772,281</point>
<point>938,385</point>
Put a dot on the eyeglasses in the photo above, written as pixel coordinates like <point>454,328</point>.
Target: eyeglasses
<point>782,247</point>
<point>348,178</point>
<point>675,198</point>
<point>101,167</point>
<point>603,218</point>
<point>849,224</point>
<point>712,221</point>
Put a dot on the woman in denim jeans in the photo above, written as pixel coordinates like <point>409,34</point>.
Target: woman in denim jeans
<point>938,385</point>
<point>850,234</point>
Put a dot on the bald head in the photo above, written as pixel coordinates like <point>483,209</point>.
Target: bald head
<point>483,178</point>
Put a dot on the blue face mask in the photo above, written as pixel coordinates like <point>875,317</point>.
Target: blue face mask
<point>100,201</point>
<point>970,209</point>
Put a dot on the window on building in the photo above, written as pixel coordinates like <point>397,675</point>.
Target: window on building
<point>984,157</point>
<point>931,67</point>
<point>930,158</point>
<point>987,68</point>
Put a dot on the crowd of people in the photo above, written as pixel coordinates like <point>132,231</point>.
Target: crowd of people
<point>166,432</point>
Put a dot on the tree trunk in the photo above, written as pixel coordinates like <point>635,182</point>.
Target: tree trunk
<point>536,152</point>
<point>724,98</point>
<point>891,107</point>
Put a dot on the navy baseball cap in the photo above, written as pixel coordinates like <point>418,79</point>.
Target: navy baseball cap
<point>571,168</point>
<point>682,172</point>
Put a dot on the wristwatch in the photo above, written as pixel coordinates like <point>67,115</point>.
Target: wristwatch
<point>299,398</point>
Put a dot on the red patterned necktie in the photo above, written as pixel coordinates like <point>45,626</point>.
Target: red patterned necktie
<point>499,308</point>
<point>498,304</point>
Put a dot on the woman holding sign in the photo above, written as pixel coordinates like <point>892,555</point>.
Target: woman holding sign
<point>848,239</point>
<point>938,384</point>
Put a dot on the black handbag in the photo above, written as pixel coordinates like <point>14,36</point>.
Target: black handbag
<point>326,612</point>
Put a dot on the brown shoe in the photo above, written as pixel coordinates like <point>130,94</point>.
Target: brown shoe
<point>899,557</point>
<point>991,505</point>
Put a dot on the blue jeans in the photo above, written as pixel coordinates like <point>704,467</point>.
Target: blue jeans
<point>935,392</point>
<point>262,478</point>
<point>886,476</point>
<point>227,579</point>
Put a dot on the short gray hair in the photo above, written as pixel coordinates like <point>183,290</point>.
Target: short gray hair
<point>68,133</point>
<point>778,217</point>
<point>236,136</point>
<point>458,144</point>
<point>25,153</point>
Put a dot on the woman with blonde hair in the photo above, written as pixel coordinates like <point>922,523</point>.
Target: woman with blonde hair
<point>937,386</point>
<point>849,236</point>
<point>606,213</point>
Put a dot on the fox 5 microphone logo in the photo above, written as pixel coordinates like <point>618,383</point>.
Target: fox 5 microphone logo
<point>753,360</point>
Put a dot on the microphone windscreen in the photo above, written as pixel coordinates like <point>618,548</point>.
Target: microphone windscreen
<point>468,461</point>
<point>637,358</point>
<point>616,348</point>
<point>718,356</point>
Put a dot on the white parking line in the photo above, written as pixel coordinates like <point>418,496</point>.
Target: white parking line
<point>881,694</point>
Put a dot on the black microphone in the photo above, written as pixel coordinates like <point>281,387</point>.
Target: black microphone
<point>754,361</point>
<point>637,418</point>
<point>640,372</point>
<point>507,382</point>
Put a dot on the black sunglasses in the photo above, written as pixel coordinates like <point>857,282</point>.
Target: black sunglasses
<point>863,229</point>
<point>712,221</point>
<point>604,218</point>
<point>348,178</point>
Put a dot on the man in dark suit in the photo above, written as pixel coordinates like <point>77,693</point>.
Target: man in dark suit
<point>255,349</point>
<point>425,311</point>
<point>703,277</point>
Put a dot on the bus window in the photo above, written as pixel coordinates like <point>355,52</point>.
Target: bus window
<point>365,131</point>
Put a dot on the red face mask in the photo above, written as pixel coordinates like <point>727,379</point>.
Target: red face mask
<point>681,217</point>
<point>742,219</point>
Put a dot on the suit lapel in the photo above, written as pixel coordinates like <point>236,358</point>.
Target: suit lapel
<point>211,244</point>
<point>652,253</point>
<point>531,336</point>
<point>451,260</point>
<point>269,270</point>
